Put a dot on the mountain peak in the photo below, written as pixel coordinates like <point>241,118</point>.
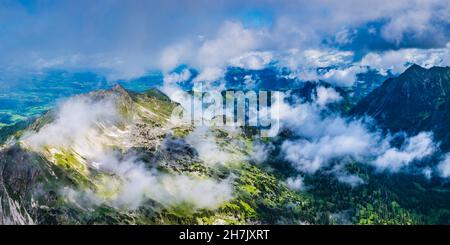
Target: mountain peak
<point>118,89</point>
<point>417,100</point>
<point>415,68</point>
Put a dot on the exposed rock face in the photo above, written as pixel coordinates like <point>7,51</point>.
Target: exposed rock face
<point>18,178</point>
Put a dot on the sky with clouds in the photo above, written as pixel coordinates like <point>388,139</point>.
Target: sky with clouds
<point>132,37</point>
<point>127,39</point>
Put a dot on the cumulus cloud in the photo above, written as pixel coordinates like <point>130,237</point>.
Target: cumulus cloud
<point>124,38</point>
<point>252,60</point>
<point>261,151</point>
<point>216,51</point>
<point>343,76</point>
<point>343,69</point>
<point>257,48</point>
<point>418,21</point>
<point>211,54</point>
<point>444,167</point>
<point>321,139</point>
<point>397,61</point>
<point>326,96</point>
<point>172,81</point>
<point>311,155</point>
<point>210,75</point>
<point>324,139</point>
<point>172,87</point>
<point>340,68</point>
<point>295,183</point>
<point>174,55</point>
<point>250,82</point>
<point>415,148</point>
<point>345,36</point>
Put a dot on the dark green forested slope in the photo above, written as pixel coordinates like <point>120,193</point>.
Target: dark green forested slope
<point>417,100</point>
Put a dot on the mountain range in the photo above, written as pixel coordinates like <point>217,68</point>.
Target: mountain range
<point>117,157</point>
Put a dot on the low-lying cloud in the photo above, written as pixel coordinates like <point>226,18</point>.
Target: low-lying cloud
<point>138,184</point>
<point>74,118</point>
<point>322,139</point>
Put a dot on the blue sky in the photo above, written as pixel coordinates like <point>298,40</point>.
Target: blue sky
<point>128,38</point>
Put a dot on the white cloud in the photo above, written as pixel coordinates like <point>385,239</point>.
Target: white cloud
<point>212,53</point>
<point>252,60</point>
<point>345,36</point>
<point>87,127</point>
<point>344,70</point>
<point>75,118</point>
<point>325,139</point>
<point>352,180</point>
<point>171,87</point>
<point>314,58</point>
<point>132,43</point>
<point>345,76</point>
<point>261,151</point>
<point>204,142</point>
<point>397,60</point>
<point>310,156</point>
<point>224,46</point>
<point>417,21</point>
<point>304,64</point>
<point>444,167</point>
<point>175,55</point>
<point>210,74</point>
<point>295,183</point>
<point>250,82</point>
<point>415,148</point>
<point>321,138</point>
<point>326,96</point>
<point>427,172</point>
<point>174,78</point>
<point>141,184</point>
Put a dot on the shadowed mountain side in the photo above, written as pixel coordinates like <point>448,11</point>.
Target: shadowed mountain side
<point>417,100</point>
